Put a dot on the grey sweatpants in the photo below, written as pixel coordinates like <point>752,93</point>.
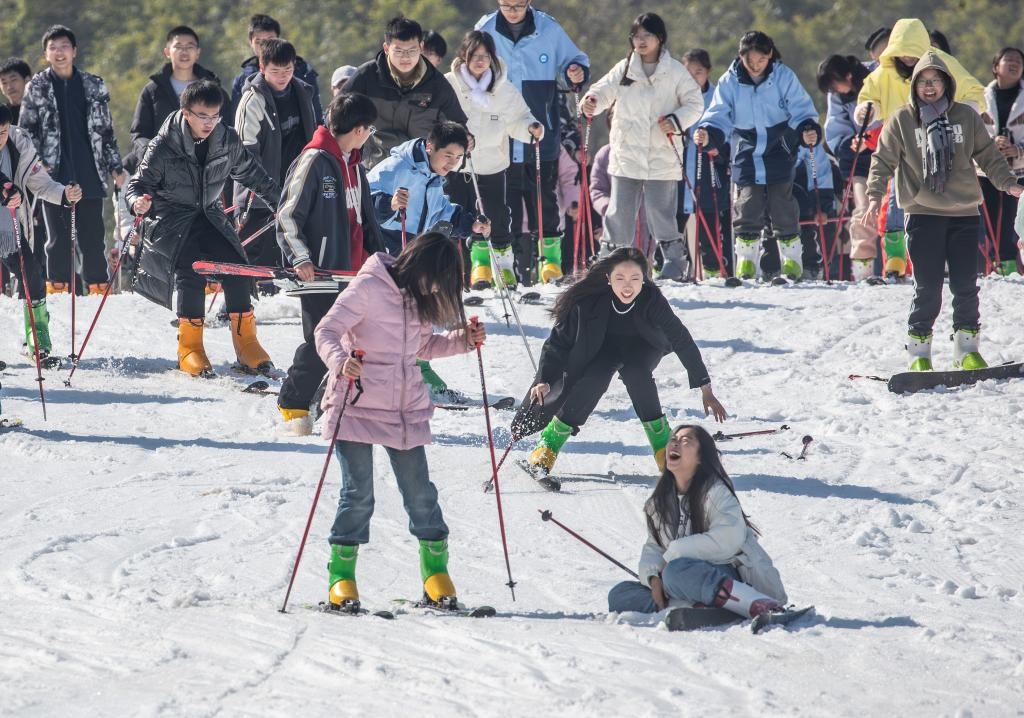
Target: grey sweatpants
<point>659,202</point>
<point>751,203</point>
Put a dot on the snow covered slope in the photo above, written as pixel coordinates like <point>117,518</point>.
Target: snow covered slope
<point>147,531</point>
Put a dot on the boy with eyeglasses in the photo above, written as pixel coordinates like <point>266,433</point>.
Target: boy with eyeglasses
<point>67,113</point>
<point>326,220</point>
<point>275,119</point>
<point>539,55</point>
<point>411,96</point>
<point>181,179</point>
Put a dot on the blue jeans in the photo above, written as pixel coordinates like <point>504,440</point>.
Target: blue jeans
<point>687,578</point>
<point>355,504</point>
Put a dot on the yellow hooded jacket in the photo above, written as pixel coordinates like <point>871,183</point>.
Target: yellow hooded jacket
<point>888,91</point>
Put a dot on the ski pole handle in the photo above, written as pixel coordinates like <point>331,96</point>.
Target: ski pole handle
<point>545,515</point>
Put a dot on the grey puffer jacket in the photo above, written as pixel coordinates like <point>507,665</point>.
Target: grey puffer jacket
<point>39,116</point>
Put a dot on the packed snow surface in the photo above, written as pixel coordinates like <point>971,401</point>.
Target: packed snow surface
<point>148,529</point>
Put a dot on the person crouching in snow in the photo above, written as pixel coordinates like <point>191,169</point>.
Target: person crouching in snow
<point>701,547</point>
<point>615,319</point>
<point>389,311</point>
<point>930,145</point>
<point>184,171</point>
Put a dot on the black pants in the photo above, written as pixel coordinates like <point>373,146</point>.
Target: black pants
<point>635,364</point>
<point>522,196</point>
<point>1006,238</point>
<point>459,188</point>
<point>91,245</point>
<point>36,285</point>
<point>307,369</point>
<point>933,241</point>
<point>205,242</point>
<point>264,250</point>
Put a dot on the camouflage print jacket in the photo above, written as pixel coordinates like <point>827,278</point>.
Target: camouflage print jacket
<point>40,118</point>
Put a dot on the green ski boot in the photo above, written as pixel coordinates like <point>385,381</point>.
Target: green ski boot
<point>439,391</point>
<point>895,253</point>
<point>551,260</point>
<point>552,439</point>
<point>480,275</point>
<point>791,257</point>
<point>437,584</point>
<point>747,248</point>
<point>965,349</point>
<point>919,347</point>
<point>42,320</point>
<point>1006,267</point>
<point>658,433</point>
<point>343,594</point>
<point>504,265</point>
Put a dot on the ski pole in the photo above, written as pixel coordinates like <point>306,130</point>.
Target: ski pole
<point>358,354</point>
<point>401,217</point>
<point>718,246</point>
<point>73,256</point>
<point>28,301</point>
<point>494,464</point>
<point>719,436</point>
<point>585,206</point>
<point>700,215</point>
<point>244,219</point>
<point>249,240</point>
<point>118,234</point>
<point>496,272</point>
<point>990,238</point>
<point>546,516</point>
<point>817,213</point>
<point>540,207</point>
<point>697,262</point>
<point>803,452</point>
<point>106,293</point>
<point>849,185</point>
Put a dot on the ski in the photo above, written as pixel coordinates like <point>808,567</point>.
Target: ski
<point>719,436</point>
<point>733,282</point>
<point>473,301</point>
<point>357,610</point>
<point>548,482</point>
<point>247,270</point>
<point>779,281</point>
<point>909,382</point>
<point>778,618</point>
<point>405,605</point>
<point>505,403</point>
<point>530,298</point>
<point>692,618</point>
<point>260,388</point>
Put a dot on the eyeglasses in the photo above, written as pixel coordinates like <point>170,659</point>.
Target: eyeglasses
<point>407,54</point>
<point>205,119</point>
<point>513,8</point>
<point>939,82</point>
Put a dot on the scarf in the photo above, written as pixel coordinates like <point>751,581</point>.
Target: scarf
<point>477,88</point>
<point>937,150</point>
<point>8,245</point>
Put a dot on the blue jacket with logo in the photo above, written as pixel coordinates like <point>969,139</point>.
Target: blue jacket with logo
<point>535,63</point>
<point>763,121</point>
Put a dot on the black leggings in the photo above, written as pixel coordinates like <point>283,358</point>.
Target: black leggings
<point>635,364</point>
<point>205,242</point>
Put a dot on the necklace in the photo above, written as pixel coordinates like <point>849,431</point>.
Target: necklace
<point>627,310</point>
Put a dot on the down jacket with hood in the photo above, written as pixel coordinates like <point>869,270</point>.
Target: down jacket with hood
<point>1014,124</point>
<point>888,91</point>
<point>181,188</point>
<point>899,153</point>
<point>728,540</point>
<point>32,179</point>
<point>639,149</point>
<point>505,116</point>
<point>374,315</point>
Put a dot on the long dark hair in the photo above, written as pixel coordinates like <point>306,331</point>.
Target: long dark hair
<point>595,281</point>
<point>662,508</point>
<point>432,259</point>
<point>475,39</point>
<point>652,23</point>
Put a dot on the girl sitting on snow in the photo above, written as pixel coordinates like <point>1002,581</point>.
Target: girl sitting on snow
<point>388,311</point>
<point>615,319</point>
<point>701,546</point>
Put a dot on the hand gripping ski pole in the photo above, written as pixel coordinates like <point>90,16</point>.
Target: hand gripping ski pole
<point>106,293</point>
<point>494,465</point>
<point>28,302</point>
<point>700,215</point>
<point>358,354</point>
<point>547,516</point>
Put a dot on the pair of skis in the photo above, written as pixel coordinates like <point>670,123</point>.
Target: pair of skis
<point>326,281</point>
<point>910,382</point>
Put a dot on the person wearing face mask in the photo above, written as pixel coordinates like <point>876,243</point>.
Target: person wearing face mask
<point>701,546</point>
<point>613,320</point>
<point>929,147</point>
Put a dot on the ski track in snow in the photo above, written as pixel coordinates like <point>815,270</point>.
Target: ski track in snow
<point>149,528</point>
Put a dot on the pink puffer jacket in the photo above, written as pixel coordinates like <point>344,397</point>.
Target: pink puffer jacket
<point>372,314</point>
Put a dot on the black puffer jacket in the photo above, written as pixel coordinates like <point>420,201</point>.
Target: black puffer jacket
<point>158,100</point>
<point>404,113</point>
<point>181,189</point>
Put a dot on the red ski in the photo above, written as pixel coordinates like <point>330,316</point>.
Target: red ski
<point>247,270</point>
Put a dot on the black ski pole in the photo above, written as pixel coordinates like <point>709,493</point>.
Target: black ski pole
<point>494,465</point>
<point>803,452</point>
<point>73,258</point>
<point>28,302</point>
<point>358,354</point>
<point>719,436</point>
<point>546,516</point>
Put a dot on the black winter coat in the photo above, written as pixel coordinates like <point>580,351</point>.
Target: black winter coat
<point>158,100</point>
<point>404,114</point>
<point>181,189</point>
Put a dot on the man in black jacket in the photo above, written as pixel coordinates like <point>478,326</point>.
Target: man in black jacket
<point>325,221</point>
<point>181,179</point>
<point>161,95</point>
<point>410,95</point>
<point>275,119</point>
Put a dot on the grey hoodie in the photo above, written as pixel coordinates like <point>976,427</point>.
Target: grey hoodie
<point>899,153</point>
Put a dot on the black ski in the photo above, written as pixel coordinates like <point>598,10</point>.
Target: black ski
<point>908,382</point>
<point>733,282</point>
<point>405,605</point>
<point>547,481</point>
<point>351,610</point>
<point>505,403</point>
<point>691,618</point>
<point>778,618</point>
<point>260,388</point>
<point>473,301</point>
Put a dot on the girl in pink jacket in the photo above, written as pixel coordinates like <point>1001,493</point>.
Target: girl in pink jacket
<point>389,311</point>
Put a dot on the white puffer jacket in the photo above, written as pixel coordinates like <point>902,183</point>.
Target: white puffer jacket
<point>1014,123</point>
<point>507,115</point>
<point>728,540</point>
<point>639,149</point>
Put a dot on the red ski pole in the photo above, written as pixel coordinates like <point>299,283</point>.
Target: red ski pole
<point>28,301</point>
<point>585,206</point>
<point>546,516</point>
<point>817,213</point>
<point>494,464</point>
<point>358,354</point>
<point>700,215</point>
<point>106,293</point>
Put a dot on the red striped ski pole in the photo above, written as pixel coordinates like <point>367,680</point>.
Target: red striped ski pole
<point>700,215</point>
<point>494,464</point>
<point>358,354</point>
<point>540,209</point>
<point>585,205</point>
<point>547,516</point>
<point>28,302</point>
<point>106,293</point>
<point>73,260</point>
